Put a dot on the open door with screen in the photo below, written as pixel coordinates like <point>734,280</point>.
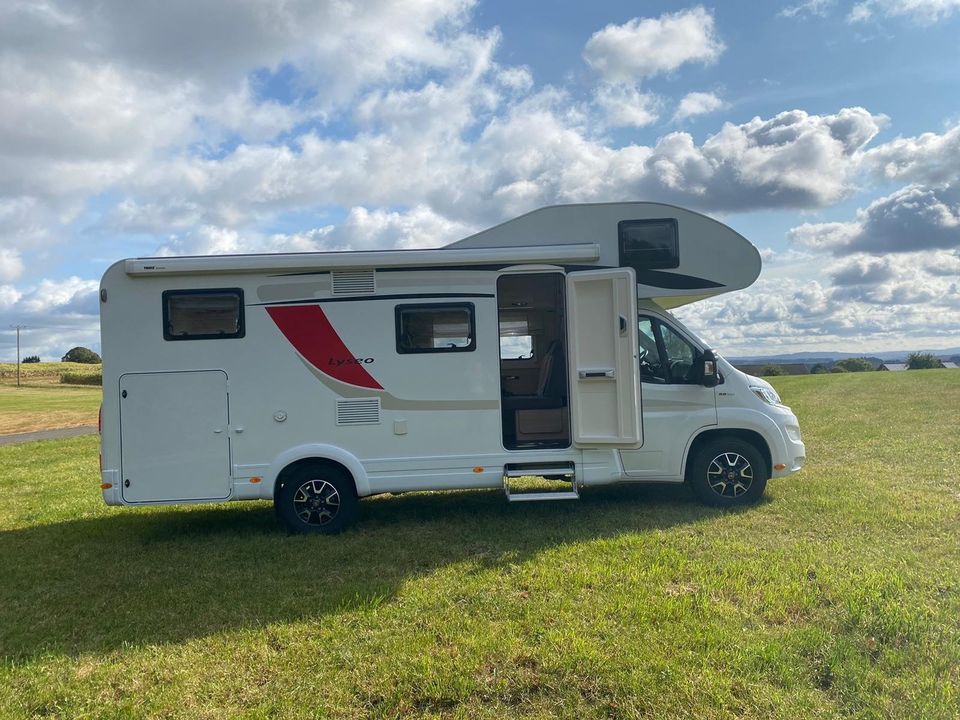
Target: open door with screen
<point>603,368</point>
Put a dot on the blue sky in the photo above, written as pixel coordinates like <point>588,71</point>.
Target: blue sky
<point>826,131</point>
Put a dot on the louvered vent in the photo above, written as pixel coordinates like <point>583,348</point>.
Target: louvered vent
<point>353,282</point>
<point>365,411</point>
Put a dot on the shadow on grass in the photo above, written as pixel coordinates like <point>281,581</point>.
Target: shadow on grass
<point>145,576</point>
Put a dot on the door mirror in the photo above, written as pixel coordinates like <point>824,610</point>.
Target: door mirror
<point>708,369</point>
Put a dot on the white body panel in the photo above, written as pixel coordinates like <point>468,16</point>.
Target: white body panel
<point>320,350</point>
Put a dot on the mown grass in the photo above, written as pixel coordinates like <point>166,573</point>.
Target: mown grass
<point>837,596</point>
<point>43,407</point>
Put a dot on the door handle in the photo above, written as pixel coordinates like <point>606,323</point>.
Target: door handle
<point>586,374</point>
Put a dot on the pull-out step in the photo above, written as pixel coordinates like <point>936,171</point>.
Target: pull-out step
<point>553,481</point>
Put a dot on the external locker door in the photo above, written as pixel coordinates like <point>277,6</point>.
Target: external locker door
<point>174,436</point>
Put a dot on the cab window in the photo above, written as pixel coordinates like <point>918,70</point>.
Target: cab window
<point>665,357</point>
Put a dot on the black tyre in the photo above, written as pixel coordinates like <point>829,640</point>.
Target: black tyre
<point>728,472</point>
<point>316,498</point>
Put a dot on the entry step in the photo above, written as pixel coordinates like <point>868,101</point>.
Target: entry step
<point>539,471</point>
<point>561,475</point>
<point>552,495</point>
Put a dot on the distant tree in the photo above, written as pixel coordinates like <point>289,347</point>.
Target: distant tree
<point>769,370</point>
<point>838,369</point>
<point>922,361</point>
<point>855,364</point>
<point>819,369</point>
<point>31,359</point>
<point>81,355</point>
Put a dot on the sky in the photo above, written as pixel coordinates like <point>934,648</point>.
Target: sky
<point>825,131</point>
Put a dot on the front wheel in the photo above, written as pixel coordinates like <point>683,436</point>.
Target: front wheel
<point>316,498</point>
<point>728,472</point>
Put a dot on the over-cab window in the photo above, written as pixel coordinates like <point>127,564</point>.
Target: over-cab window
<point>208,314</point>
<point>649,244</point>
<point>435,328</point>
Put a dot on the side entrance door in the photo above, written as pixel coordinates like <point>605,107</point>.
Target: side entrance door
<point>604,374</point>
<point>174,439</point>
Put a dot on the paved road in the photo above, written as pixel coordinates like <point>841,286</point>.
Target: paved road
<point>57,434</point>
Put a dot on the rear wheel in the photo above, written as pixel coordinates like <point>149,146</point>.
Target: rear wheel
<point>728,472</point>
<point>316,498</point>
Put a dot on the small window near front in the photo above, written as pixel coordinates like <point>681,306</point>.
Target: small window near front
<point>209,314</point>
<point>649,244</point>
<point>435,328</point>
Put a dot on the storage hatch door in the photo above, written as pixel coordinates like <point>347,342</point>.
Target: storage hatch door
<point>174,434</point>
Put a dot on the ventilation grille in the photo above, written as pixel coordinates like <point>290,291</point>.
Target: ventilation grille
<point>365,411</point>
<point>353,282</point>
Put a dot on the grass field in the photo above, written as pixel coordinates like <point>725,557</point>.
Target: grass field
<point>837,596</point>
<point>43,407</point>
<point>43,373</point>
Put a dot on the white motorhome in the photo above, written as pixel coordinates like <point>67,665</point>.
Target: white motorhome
<point>540,347</point>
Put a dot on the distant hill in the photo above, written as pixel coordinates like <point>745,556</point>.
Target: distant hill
<point>826,357</point>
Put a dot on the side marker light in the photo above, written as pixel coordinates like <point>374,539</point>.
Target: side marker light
<point>106,486</point>
<point>779,466</point>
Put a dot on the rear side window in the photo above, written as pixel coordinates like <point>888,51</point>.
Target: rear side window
<point>649,244</point>
<point>203,314</point>
<point>435,328</point>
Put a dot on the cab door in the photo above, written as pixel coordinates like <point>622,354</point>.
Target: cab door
<point>676,404</point>
<point>604,375</point>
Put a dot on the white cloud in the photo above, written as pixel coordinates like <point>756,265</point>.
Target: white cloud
<point>697,103</point>
<point>929,159</point>
<point>807,8</point>
<point>625,106</point>
<point>643,47</point>
<point>913,218</point>
<point>924,12</point>
<point>538,152</point>
<point>11,266</point>
<point>58,315</point>
<point>361,229</point>
<point>895,307</point>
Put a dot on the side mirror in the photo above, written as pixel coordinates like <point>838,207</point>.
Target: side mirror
<point>708,364</point>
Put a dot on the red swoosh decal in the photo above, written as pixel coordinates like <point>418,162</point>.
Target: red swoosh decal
<point>310,332</point>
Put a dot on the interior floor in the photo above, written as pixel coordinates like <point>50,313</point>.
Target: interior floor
<point>533,361</point>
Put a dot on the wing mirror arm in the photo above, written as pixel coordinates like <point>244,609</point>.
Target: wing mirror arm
<point>708,366</point>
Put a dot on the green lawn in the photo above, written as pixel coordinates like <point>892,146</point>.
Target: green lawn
<point>838,596</point>
<point>42,407</point>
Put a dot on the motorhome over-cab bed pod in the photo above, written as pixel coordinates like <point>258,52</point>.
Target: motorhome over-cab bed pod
<point>679,256</point>
<point>313,379</point>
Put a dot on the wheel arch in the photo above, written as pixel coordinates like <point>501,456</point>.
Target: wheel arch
<point>751,437</point>
<point>314,453</point>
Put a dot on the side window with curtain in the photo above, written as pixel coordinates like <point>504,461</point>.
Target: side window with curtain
<point>435,328</point>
